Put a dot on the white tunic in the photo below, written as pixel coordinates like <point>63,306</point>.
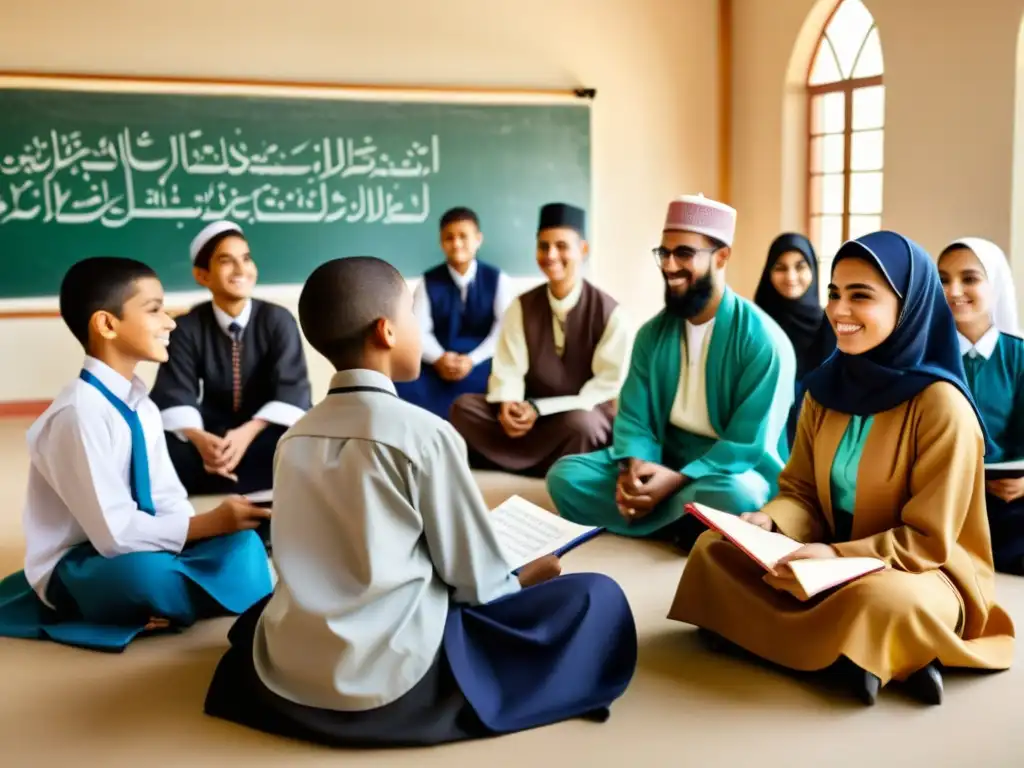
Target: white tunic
<point>690,407</point>
<point>377,524</point>
<point>78,480</point>
<point>512,358</point>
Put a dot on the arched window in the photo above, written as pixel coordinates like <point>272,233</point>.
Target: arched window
<point>846,120</point>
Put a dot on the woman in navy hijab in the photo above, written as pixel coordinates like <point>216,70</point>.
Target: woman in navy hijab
<point>888,464</point>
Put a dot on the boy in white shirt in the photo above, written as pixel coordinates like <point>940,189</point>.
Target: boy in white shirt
<point>396,619</point>
<point>113,546</point>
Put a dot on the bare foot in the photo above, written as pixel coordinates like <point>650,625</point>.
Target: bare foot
<point>155,623</point>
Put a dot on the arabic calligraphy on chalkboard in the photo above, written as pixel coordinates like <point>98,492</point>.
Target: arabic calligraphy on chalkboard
<point>130,176</point>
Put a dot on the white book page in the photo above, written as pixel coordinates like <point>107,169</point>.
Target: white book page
<point>816,576</point>
<point>260,497</point>
<point>1019,464</point>
<point>526,531</point>
<point>766,547</point>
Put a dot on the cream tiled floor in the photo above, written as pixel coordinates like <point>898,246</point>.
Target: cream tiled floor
<point>686,706</point>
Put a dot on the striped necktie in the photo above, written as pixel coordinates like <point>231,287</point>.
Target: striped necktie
<point>236,365</point>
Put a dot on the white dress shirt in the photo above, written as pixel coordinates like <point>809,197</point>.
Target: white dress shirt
<point>178,418</point>
<point>512,358</point>
<point>985,347</point>
<point>78,480</point>
<point>432,348</point>
<point>690,407</point>
<point>378,524</point>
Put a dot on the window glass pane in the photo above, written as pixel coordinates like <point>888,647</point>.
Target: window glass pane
<point>869,107</point>
<point>862,225</point>
<point>825,69</point>
<point>828,113</point>
<point>866,151</point>
<point>870,62</point>
<point>827,154</point>
<point>865,193</point>
<point>827,194</point>
<point>827,236</point>
<point>847,30</point>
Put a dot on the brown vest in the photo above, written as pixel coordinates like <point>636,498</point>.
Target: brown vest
<point>550,375</point>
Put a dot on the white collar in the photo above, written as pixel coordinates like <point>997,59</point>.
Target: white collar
<point>562,307</point>
<point>463,280</point>
<point>985,347</point>
<point>130,392</point>
<point>224,320</point>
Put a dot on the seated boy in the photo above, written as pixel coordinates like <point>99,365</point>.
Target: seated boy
<point>459,306</point>
<point>113,547</point>
<point>396,620</point>
<point>561,358</point>
<point>235,378</point>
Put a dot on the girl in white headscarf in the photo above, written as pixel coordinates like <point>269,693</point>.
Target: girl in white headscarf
<point>979,288</point>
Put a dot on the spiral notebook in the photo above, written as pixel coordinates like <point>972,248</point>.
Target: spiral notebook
<point>527,531</point>
<point>766,548</point>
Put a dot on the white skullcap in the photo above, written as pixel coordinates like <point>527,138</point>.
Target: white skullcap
<point>696,213</point>
<point>207,234</point>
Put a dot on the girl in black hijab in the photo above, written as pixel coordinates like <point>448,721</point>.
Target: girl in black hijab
<point>789,293</point>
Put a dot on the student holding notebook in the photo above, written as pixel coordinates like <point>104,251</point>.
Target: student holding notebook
<point>889,464</point>
<point>979,288</point>
<point>113,547</point>
<point>396,619</point>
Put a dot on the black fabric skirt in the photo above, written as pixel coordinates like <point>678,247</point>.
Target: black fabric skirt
<point>1006,523</point>
<point>433,712</point>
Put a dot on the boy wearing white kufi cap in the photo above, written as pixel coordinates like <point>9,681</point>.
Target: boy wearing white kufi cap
<point>236,375</point>
<point>703,411</point>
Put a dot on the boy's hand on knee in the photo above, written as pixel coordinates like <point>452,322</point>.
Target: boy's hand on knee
<point>643,486</point>
<point>540,570</point>
<point>210,447</point>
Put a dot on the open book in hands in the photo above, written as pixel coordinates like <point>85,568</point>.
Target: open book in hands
<point>527,532</point>
<point>801,578</point>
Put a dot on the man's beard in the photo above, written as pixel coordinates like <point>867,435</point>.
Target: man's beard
<point>694,301</point>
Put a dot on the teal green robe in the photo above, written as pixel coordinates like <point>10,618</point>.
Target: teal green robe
<point>843,475</point>
<point>998,388</point>
<point>751,369</point>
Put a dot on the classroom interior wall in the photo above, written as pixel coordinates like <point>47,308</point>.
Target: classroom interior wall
<point>950,77</point>
<point>652,62</point>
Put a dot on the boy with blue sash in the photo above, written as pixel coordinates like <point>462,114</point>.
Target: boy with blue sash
<point>113,546</point>
<point>459,305</point>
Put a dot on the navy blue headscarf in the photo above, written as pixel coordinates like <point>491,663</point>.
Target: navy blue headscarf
<point>921,350</point>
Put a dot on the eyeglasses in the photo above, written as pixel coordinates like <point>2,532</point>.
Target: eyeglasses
<point>681,252</point>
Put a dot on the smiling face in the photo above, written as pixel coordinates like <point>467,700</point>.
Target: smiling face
<point>791,275</point>
<point>862,307</point>
<point>967,287</point>
<point>232,272</point>
<point>560,251</point>
<point>143,330</point>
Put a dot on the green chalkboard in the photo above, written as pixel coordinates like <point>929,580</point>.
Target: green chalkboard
<point>138,174</point>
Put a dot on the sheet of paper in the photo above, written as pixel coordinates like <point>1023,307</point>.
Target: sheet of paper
<point>260,497</point>
<point>816,576</point>
<point>527,531</point>
<point>766,547</point>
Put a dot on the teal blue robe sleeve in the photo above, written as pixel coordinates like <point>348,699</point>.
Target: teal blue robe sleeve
<point>764,386</point>
<point>634,435</point>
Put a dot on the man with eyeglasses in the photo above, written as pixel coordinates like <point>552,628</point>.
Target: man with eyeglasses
<point>702,413</point>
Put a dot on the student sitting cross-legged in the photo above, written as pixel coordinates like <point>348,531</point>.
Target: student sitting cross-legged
<point>113,546</point>
<point>396,619</point>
